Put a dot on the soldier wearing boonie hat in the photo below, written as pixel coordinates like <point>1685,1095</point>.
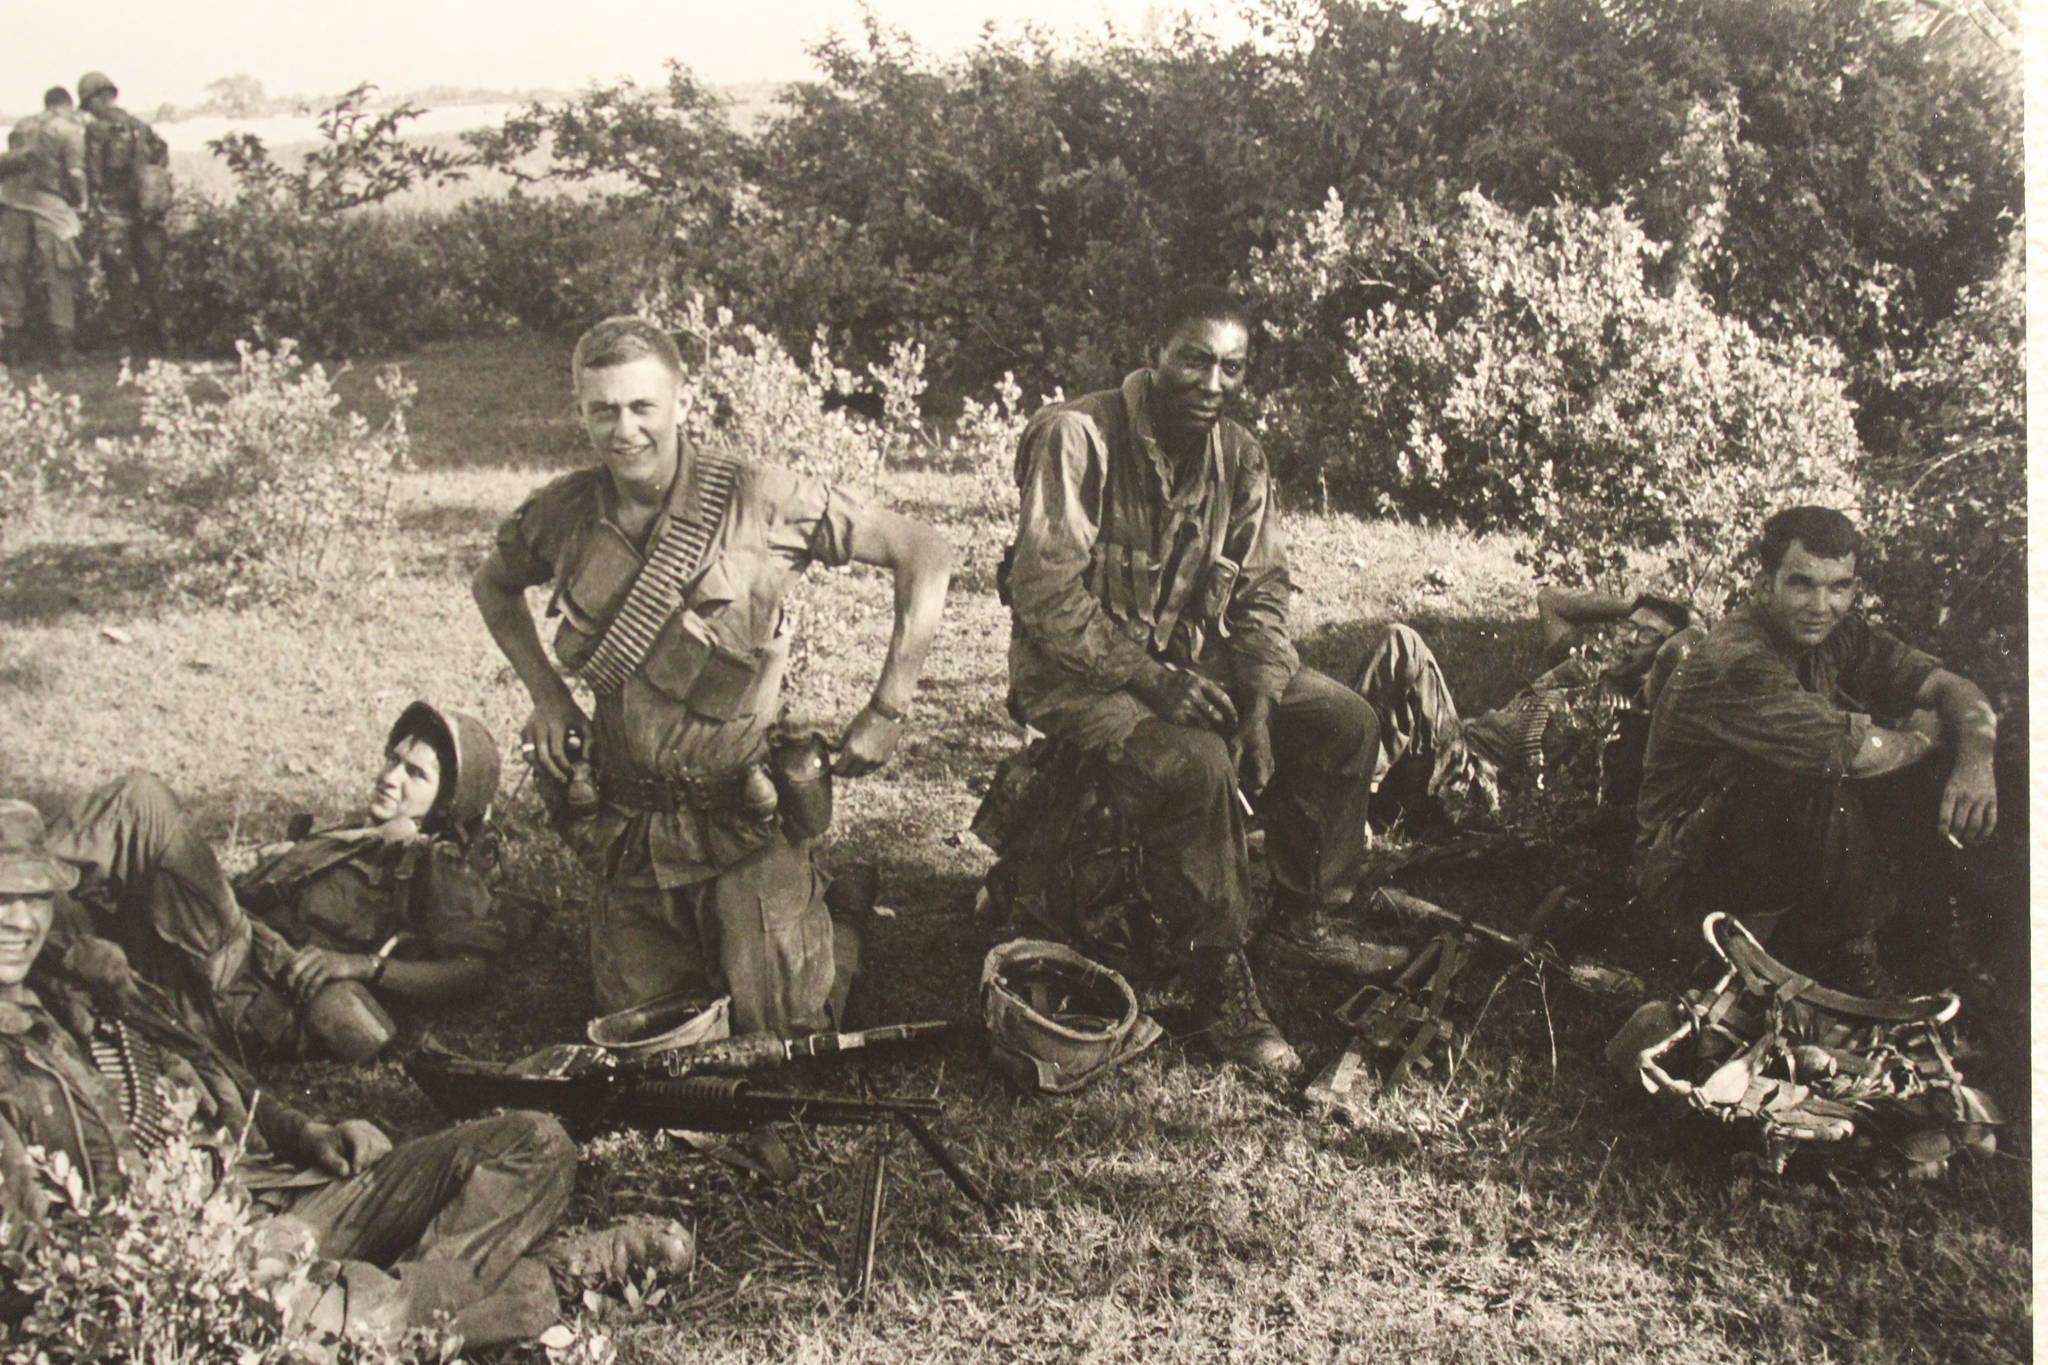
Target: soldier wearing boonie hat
<point>444,1228</point>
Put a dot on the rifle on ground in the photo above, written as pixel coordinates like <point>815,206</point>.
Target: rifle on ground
<point>1410,1018</point>
<point>1582,972</point>
<point>703,1087</point>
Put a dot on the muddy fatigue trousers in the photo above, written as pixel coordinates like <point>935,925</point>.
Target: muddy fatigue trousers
<point>758,930</point>
<point>132,259</point>
<point>1807,864</point>
<point>442,1220</point>
<point>156,889</point>
<point>1176,785</point>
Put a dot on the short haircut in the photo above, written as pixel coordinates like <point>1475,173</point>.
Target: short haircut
<point>1199,303</point>
<point>56,97</point>
<point>621,341</point>
<point>1826,534</point>
<point>1671,609</point>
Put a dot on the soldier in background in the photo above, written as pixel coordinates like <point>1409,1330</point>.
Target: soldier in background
<point>129,187</point>
<point>39,227</point>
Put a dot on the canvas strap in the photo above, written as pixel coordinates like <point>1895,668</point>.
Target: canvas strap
<point>658,590</point>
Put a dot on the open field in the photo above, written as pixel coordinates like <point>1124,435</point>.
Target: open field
<point>1519,1206</point>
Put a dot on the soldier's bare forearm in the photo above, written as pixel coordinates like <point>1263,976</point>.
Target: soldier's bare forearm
<point>922,564</point>
<point>1887,751</point>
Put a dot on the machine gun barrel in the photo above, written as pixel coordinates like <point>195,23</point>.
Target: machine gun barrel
<point>719,1104</point>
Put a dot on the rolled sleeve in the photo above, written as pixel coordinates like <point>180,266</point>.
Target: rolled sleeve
<point>536,540</point>
<point>1889,673</point>
<point>456,912</point>
<point>805,519</point>
<point>1056,535</point>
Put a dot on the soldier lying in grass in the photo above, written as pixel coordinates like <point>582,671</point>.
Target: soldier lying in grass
<point>108,1076</point>
<point>302,954</point>
<point>1584,715</point>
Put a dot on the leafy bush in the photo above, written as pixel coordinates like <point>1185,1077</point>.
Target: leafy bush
<point>744,392</point>
<point>1953,520</point>
<point>266,487</point>
<point>173,1270</point>
<point>39,448</point>
<point>547,262</point>
<point>1518,371</point>
<point>360,160</point>
<point>342,284</point>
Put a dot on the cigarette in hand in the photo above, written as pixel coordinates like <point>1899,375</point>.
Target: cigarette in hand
<point>1950,835</point>
<point>1245,802</point>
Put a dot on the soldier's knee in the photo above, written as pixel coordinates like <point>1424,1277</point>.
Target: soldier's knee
<point>1202,759</point>
<point>144,793</point>
<point>539,1134</point>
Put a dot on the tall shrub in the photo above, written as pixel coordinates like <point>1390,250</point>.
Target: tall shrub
<point>269,489</point>
<point>1953,501</point>
<point>1459,361</point>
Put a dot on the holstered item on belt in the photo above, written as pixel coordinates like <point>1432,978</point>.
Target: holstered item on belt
<point>800,767</point>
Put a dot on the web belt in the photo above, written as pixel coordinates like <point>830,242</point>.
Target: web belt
<point>658,590</point>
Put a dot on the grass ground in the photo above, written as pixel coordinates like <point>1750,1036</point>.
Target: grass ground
<point>1516,1204</point>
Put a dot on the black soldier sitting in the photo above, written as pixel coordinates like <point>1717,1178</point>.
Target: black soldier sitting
<point>1148,592</point>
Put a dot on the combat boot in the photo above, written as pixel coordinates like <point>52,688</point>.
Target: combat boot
<point>1234,1018</point>
<point>1308,938</point>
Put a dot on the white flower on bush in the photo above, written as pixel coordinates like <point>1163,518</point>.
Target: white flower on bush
<point>39,448</point>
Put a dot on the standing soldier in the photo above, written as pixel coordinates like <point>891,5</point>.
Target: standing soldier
<point>669,566</point>
<point>125,168</point>
<point>39,225</point>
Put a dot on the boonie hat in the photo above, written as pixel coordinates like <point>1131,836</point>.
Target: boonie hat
<point>26,869</point>
<point>1056,1019</point>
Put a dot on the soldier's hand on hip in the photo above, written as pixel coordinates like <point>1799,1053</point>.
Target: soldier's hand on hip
<point>546,735</point>
<point>1185,697</point>
<point>867,744</point>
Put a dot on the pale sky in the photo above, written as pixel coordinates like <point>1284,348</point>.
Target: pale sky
<point>162,51</point>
